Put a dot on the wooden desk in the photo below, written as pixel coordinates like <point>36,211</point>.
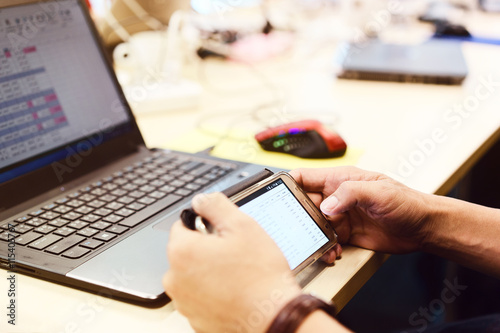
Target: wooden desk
<point>391,122</point>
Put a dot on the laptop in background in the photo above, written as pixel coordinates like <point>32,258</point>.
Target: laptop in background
<point>83,201</point>
<point>434,61</point>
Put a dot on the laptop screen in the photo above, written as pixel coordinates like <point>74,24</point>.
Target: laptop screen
<point>55,87</point>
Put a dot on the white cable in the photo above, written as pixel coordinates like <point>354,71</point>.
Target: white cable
<point>173,63</point>
<point>145,17</point>
<point>116,27</point>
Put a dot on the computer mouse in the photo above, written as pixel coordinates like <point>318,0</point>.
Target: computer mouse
<point>305,139</point>
<point>444,29</point>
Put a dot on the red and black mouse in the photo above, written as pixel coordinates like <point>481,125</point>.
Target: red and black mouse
<point>306,139</point>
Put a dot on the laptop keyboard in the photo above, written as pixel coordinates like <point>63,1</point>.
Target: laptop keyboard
<point>85,220</point>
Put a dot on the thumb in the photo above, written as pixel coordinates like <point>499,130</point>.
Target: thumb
<point>217,209</point>
<point>348,195</point>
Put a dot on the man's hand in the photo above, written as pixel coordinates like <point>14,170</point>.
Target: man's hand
<point>233,281</point>
<point>368,209</point>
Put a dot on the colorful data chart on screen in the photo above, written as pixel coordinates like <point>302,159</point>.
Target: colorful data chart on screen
<point>30,112</point>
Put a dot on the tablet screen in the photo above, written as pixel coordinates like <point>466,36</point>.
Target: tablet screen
<point>282,216</point>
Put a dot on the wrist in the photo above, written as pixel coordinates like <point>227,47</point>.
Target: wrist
<point>436,210</point>
<point>319,321</point>
<point>296,315</point>
<point>454,226</point>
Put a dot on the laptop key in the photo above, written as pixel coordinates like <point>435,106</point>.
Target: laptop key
<point>183,192</point>
<point>76,252</point>
<point>75,203</point>
<point>167,189</point>
<point>177,183</point>
<point>189,166</point>
<point>125,212</point>
<point>36,212</point>
<point>87,197</point>
<point>86,189</point>
<point>107,197</point>
<point>78,224</point>
<point>110,186</point>
<point>107,179</point>
<point>117,174</point>
<point>62,209</point>
<point>129,187</point>
<point>96,203</point>
<point>201,170</point>
<point>210,176</point>
<point>98,191</point>
<point>64,244</point>
<point>140,181</point>
<point>157,183</point>
<point>28,238</point>
<point>44,242</point>
<point>157,194</point>
<point>147,200</point>
<point>22,229</point>
<point>113,218</point>
<point>120,181</point>
<point>92,244</point>
<point>186,178</point>
<point>23,219</point>
<point>59,222</point>
<point>103,212</point>
<point>71,216</point>
<point>176,173</point>
<point>201,181</point>
<point>169,200</point>
<point>36,222</point>
<point>62,200</point>
<point>130,176</point>
<point>64,231</point>
<point>8,235</point>
<point>119,192</point>
<point>136,194</point>
<point>50,206</point>
<point>141,171</point>
<point>192,187</point>
<point>45,229</point>
<point>167,178</point>
<point>136,206</point>
<point>87,232</point>
<point>90,218</point>
<point>130,223</point>
<point>100,225</point>
<point>7,225</point>
<point>84,210</point>
<point>97,184</point>
<point>117,229</point>
<point>114,205</point>
<point>150,176</point>
<point>126,200</point>
<point>147,188</point>
<point>50,215</point>
<point>105,236</point>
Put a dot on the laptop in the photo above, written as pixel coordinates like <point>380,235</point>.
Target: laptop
<point>83,202</point>
<point>435,61</point>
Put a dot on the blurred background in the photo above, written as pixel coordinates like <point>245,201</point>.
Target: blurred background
<point>175,37</point>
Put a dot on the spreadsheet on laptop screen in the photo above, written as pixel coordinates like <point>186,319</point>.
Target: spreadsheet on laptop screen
<point>48,100</point>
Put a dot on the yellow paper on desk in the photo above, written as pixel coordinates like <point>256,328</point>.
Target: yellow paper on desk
<point>243,147</point>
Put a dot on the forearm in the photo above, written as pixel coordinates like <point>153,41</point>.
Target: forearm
<point>466,233</point>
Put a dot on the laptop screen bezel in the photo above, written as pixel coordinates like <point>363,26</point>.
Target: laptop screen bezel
<point>38,181</point>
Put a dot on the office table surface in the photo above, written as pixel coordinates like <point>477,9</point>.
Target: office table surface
<point>426,136</point>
